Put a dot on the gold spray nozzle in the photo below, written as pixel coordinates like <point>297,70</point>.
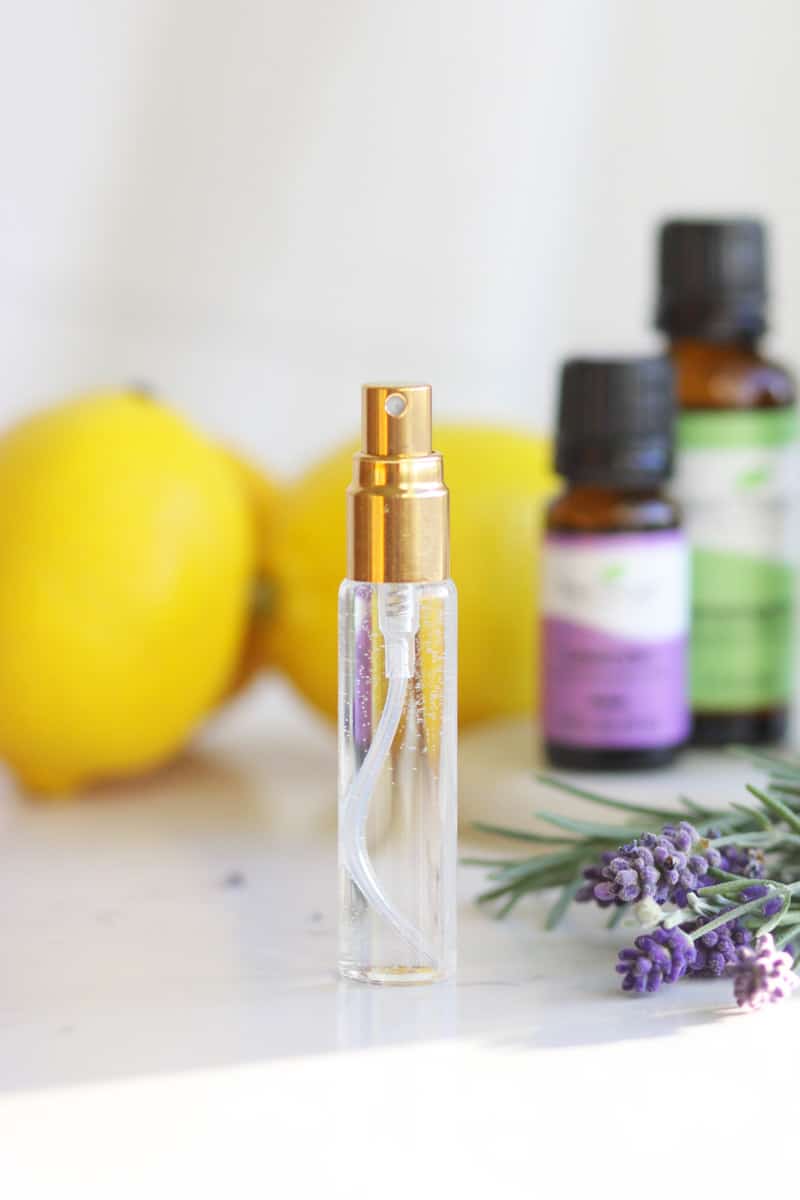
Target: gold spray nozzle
<point>396,419</point>
<point>397,504</point>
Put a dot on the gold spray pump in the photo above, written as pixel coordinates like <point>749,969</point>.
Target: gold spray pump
<point>397,702</point>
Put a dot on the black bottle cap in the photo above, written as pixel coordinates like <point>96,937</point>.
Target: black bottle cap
<point>616,421</point>
<point>712,279</point>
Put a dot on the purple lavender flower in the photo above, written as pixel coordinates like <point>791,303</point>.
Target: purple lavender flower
<point>665,866</point>
<point>741,860</point>
<point>717,950</point>
<point>772,905</point>
<point>763,975</point>
<point>663,956</point>
<point>594,875</point>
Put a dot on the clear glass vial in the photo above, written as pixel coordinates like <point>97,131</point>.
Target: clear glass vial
<point>397,703</point>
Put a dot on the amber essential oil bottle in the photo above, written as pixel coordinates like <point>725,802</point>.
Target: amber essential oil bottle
<point>615,582</point>
<point>736,474</point>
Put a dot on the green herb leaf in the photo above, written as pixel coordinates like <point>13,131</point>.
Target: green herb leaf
<point>572,789</point>
<point>566,896</point>
<point>590,829</point>
<point>776,806</point>
<point>523,835</point>
<point>754,815</point>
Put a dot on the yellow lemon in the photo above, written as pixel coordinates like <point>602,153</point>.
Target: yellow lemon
<point>126,561</point>
<point>498,482</point>
<point>263,497</point>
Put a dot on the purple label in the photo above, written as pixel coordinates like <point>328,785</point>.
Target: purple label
<point>607,691</point>
<point>614,653</point>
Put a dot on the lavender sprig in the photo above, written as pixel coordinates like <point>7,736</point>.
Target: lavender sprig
<point>574,848</point>
<point>702,879</point>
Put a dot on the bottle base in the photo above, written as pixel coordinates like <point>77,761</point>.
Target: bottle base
<point>586,758</point>
<point>749,729</point>
<point>393,976</point>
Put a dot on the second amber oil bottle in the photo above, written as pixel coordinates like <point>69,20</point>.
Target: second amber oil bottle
<point>615,585</point>
<point>737,477</point>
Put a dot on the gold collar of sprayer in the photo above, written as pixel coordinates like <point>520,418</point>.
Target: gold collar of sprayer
<point>397,504</point>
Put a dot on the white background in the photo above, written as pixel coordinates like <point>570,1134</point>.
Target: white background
<point>257,204</point>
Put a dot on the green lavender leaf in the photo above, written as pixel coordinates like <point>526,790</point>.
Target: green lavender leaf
<point>539,863</point>
<point>513,899</point>
<point>729,914</point>
<point>774,764</point>
<point>787,936</point>
<point>590,829</point>
<point>491,862</point>
<point>523,835</point>
<point>691,807</point>
<point>556,878</point>
<point>572,789</point>
<point>790,789</point>
<point>565,898</point>
<point>753,815</point>
<point>776,806</point>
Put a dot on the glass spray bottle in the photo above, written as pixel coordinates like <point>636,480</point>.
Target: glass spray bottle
<point>397,702</point>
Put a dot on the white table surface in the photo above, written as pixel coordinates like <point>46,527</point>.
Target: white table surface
<point>171,1023</point>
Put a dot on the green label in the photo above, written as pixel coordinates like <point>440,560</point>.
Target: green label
<point>747,430</point>
<point>737,475</point>
<point>742,611</point>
